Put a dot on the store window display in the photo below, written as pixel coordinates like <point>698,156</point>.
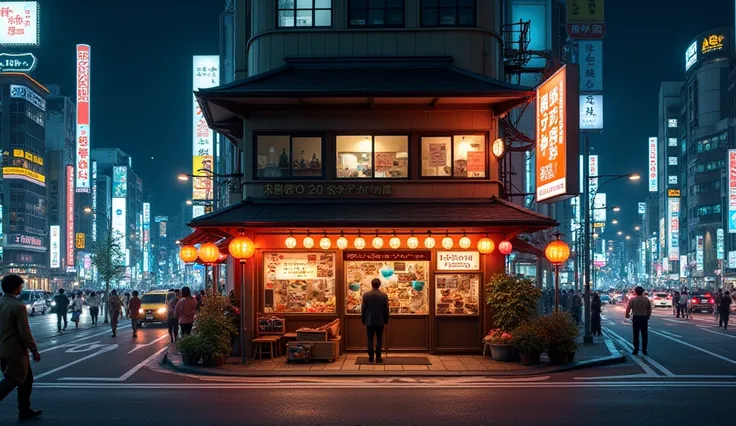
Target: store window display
<point>299,282</point>
<point>461,156</point>
<point>403,282</point>
<point>372,157</point>
<point>289,157</point>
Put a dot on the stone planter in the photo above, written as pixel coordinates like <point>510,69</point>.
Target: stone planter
<point>503,353</point>
<point>530,358</point>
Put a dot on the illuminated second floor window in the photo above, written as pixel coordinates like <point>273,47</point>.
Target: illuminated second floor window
<point>448,13</point>
<point>304,13</point>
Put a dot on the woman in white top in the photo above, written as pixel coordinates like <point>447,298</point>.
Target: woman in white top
<point>77,304</point>
<point>94,303</point>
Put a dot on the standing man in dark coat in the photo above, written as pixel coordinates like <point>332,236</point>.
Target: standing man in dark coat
<point>16,341</point>
<point>374,316</point>
<point>62,308</point>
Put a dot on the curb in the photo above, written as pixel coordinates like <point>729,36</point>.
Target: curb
<point>615,357</point>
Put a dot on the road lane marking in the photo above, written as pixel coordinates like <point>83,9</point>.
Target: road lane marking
<point>654,363</point>
<point>122,378</point>
<point>100,352</point>
<point>145,345</point>
<point>721,357</point>
<point>78,340</point>
<point>702,327</point>
<point>670,334</point>
<point>628,348</point>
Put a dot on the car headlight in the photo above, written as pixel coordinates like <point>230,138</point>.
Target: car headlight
<point>161,310</point>
<point>28,306</point>
<point>53,303</point>
<point>140,311</point>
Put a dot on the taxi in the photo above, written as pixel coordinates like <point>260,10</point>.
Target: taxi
<point>153,307</point>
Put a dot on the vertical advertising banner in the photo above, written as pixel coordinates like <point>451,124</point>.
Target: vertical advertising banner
<point>119,215</point>
<point>592,174</point>
<point>652,172</point>
<point>120,182</point>
<point>683,266</point>
<point>70,216</point>
<point>642,208</point>
<point>591,112</point>
<point>699,252</point>
<point>55,249</point>
<point>83,118</point>
<point>732,191</point>
<point>146,235</point>
<point>591,65</point>
<point>205,74</point>
<point>720,249</point>
<point>599,208</point>
<point>643,259</point>
<point>732,259</point>
<point>557,132</point>
<point>673,243</point>
<point>94,200</point>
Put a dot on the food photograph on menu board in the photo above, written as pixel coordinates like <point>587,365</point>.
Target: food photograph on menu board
<point>457,294</point>
<point>299,283</point>
<point>403,281</point>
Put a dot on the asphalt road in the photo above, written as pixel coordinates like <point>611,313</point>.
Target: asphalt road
<point>87,377</point>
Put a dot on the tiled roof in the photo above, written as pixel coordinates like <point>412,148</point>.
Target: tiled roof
<point>493,212</point>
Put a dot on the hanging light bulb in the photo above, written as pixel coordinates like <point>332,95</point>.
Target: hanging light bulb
<point>412,242</point>
<point>429,241</point>
<point>359,242</point>
<point>324,242</point>
<point>342,242</point>
<point>447,242</point>
<point>308,241</point>
<point>377,242</point>
<point>394,242</point>
<point>464,242</point>
<point>290,241</point>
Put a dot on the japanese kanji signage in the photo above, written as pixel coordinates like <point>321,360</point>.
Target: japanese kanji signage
<point>83,169</point>
<point>590,53</point>
<point>652,172</point>
<point>326,190</point>
<point>732,191</point>
<point>557,133</point>
<point>387,255</point>
<point>710,44</point>
<point>205,74</point>
<point>458,261</point>
<point>19,23</point>
<point>586,19</point>
<point>17,62</point>
<point>79,240</point>
<point>591,112</point>
<point>673,243</point>
<point>69,215</point>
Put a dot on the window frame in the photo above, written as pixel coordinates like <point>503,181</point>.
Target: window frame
<point>368,8</point>
<point>291,136</point>
<point>423,9</point>
<point>313,9</point>
<point>452,135</point>
<point>373,157</point>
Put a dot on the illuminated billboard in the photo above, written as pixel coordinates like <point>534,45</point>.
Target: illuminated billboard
<point>119,214</point>
<point>557,133</point>
<point>731,191</point>
<point>715,43</point>
<point>120,182</point>
<point>70,216</point>
<point>205,74</point>
<point>652,172</point>
<point>699,247</point>
<point>599,208</point>
<point>720,242</point>
<point>673,243</point>
<point>94,198</point>
<point>591,112</point>
<point>83,118</point>
<point>146,235</point>
<point>19,23</point>
<point>55,246</point>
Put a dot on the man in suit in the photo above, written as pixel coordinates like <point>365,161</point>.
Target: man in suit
<point>374,316</point>
<point>16,341</point>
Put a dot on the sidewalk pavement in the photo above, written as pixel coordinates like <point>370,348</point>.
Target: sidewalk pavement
<point>601,352</point>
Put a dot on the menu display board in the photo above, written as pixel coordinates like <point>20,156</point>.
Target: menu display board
<point>299,282</point>
<point>457,294</point>
<point>404,281</point>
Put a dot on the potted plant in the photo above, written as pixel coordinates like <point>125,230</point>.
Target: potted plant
<point>190,348</point>
<point>560,334</point>
<point>215,328</point>
<point>529,341</point>
<point>498,342</point>
<point>512,300</point>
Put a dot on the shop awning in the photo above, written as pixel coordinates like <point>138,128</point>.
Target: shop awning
<point>369,214</point>
<point>200,236</point>
<point>426,83</point>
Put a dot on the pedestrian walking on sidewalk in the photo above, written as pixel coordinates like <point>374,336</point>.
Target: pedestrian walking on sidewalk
<point>675,301</point>
<point>172,320</point>
<point>725,308</point>
<point>16,340</point>
<point>374,316</point>
<point>577,307</point>
<point>717,297</point>
<point>94,303</point>
<point>641,308</point>
<point>114,306</point>
<point>126,301</point>
<point>62,307</point>
<point>682,307</point>
<point>595,315</point>
<point>185,311</point>
<point>134,307</point>
<point>77,304</point>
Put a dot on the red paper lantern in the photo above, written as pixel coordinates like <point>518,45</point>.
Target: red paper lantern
<point>505,248</point>
<point>242,248</point>
<point>209,253</point>
<point>557,252</point>
<point>187,253</point>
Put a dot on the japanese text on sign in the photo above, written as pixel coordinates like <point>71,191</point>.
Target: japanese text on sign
<point>732,191</point>
<point>19,23</point>
<point>17,62</point>
<point>458,261</point>
<point>386,256</point>
<point>296,269</point>
<point>591,71</point>
<point>585,11</point>
<point>586,31</point>
<point>83,162</point>
<point>551,137</point>
<point>69,215</point>
<point>652,172</point>
<point>23,92</point>
<point>591,112</point>
<point>205,74</point>
<point>329,190</point>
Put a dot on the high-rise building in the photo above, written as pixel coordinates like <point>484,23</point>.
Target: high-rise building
<point>23,202</point>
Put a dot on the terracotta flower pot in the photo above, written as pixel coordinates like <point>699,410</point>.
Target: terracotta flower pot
<point>503,353</point>
<point>530,358</point>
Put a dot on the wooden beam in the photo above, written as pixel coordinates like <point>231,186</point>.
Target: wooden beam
<point>433,103</point>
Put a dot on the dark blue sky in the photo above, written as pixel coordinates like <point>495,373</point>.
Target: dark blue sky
<point>141,77</point>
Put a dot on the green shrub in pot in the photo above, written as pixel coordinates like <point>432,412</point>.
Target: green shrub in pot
<point>191,349</point>
<point>529,340</point>
<point>214,326</point>
<point>512,300</point>
<point>560,334</point>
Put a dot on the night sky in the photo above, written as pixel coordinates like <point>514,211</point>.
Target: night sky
<point>141,78</point>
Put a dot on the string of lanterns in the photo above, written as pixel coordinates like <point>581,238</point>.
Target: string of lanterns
<point>485,245</point>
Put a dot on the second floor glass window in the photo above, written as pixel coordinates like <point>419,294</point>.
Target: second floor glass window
<point>304,13</point>
<point>454,156</point>
<point>372,157</point>
<point>376,13</point>
<point>448,13</point>
<point>286,157</point>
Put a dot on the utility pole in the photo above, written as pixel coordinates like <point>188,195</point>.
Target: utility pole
<point>585,203</point>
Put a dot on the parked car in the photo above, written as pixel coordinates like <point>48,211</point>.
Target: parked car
<point>700,302</point>
<point>606,299</point>
<point>661,300</point>
<point>35,301</point>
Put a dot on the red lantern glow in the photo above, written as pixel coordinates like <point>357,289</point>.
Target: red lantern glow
<point>187,253</point>
<point>242,248</point>
<point>505,247</point>
<point>209,253</point>
<point>557,252</point>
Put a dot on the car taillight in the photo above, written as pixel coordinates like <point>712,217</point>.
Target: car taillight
<point>695,300</point>
<point>669,297</point>
<point>711,301</point>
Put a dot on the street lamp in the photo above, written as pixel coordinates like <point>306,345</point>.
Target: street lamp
<point>242,248</point>
<point>227,179</point>
<point>189,202</point>
<point>557,252</point>
<point>614,221</point>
